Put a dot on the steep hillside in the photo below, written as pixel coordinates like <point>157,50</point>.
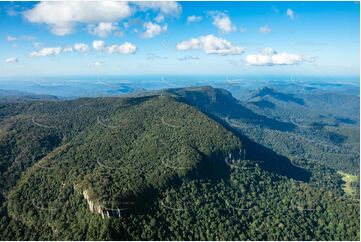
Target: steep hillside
<point>326,128</point>
<point>139,147</point>
<point>271,93</point>
<point>221,103</point>
<point>321,151</point>
<point>151,168</point>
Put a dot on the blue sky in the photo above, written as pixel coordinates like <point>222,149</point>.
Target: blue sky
<point>179,38</point>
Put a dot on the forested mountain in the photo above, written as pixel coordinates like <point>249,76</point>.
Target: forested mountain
<point>10,95</point>
<point>323,130</point>
<point>165,166</point>
<point>270,92</point>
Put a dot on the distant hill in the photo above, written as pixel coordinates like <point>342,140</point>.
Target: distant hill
<point>317,108</point>
<point>12,95</point>
<point>270,92</point>
<point>263,104</point>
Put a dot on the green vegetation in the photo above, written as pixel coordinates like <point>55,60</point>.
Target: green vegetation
<point>156,168</point>
<point>349,180</point>
<point>326,127</point>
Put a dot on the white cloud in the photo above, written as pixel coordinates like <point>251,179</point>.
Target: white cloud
<point>10,38</point>
<point>189,57</point>
<point>223,23</point>
<point>11,60</point>
<point>68,49</point>
<point>125,48</point>
<point>159,18</point>
<point>290,13</point>
<point>62,17</point>
<point>49,51</point>
<point>269,57</point>
<point>81,47</point>
<point>193,19</point>
<point>268,51</point>
<point>286,59</point>
<point>152,29</point>
<point>211,44</point>
<point>98,45</point>
<point>165,7</point>
<point>103,29</point>
<point>265,29</point>
<point>258,60</point>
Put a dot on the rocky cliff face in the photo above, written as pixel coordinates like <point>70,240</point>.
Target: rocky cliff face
<point>98,209</point>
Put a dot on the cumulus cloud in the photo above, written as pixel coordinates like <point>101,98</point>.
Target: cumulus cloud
<point>211,44</point>
<point>290,13</point>
<point>125,48</point>
<point>223,22</point>
<point>270,57</point>
<point>165,7</point>
<point>265,29</point>
<point>98,45</point>
<point>81,47</point>
<point>11,60</point>
<point>189,57</point>
<point>62,17</point>
<point>152,29</point>
<point>103,29</point>
<point>53,51</point>
<point>193,19</point>
<point>49,51</point>
<point>10,38</point>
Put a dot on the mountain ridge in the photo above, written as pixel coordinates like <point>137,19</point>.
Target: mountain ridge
<point>114,165</point>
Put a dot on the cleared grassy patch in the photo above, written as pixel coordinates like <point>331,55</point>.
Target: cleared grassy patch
<point>348,179</point>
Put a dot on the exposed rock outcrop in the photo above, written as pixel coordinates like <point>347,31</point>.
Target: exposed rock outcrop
<point>98,209</point>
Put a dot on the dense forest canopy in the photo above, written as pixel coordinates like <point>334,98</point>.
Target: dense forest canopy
<point>180,164</point>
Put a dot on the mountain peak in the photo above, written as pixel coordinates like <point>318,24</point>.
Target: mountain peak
<point>266,92</point>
